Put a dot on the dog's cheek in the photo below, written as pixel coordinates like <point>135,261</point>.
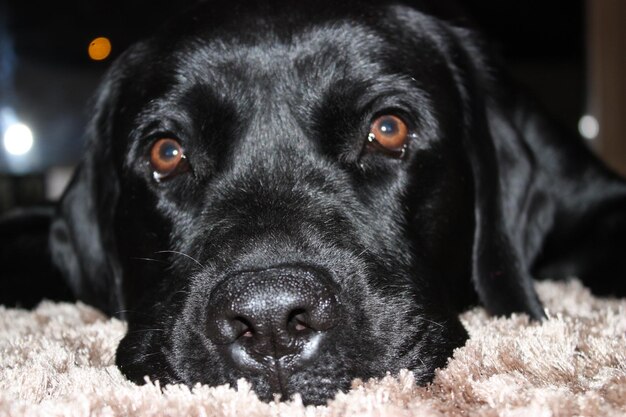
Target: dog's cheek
<point>192,355</point>
<point>138,356</point>
<point>146,348</point>
<point>435,344</point>
<point>404,328</point>
<point>366,344</point>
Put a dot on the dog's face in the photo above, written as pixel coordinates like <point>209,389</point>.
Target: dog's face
<point>282,194</point>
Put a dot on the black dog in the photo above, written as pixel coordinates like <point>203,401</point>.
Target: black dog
<point>301,193</point>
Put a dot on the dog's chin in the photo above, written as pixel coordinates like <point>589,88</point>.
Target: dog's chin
<point>313,389</point>
<point>315,385</point>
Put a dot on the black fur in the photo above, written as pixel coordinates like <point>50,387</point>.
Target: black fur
<point>273,104</point>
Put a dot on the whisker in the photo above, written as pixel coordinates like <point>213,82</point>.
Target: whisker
<point>146,330</point>
<point>143,357</point>
<point>110,359</point>
<point>182,254</point>
<point>129,311</point>
<point>149,260</point>
<point>421,361</point>
<point>433,322</point>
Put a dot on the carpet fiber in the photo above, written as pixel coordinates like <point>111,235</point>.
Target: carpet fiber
<point>58,361</point>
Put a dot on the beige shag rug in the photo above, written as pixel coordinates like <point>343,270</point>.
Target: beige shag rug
<point>58,361</point>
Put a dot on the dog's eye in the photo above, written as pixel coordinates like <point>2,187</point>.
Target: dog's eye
<point>389,134</point>
<point>166,158</point>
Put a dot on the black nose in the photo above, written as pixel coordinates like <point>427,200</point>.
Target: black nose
<point>262,316</point>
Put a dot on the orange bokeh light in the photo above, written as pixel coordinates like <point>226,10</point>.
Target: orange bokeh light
<point>99,49</point>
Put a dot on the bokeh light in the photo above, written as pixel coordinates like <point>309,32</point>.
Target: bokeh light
<point>18,139</point>
<point>588,127</point>
<point>99,48</point>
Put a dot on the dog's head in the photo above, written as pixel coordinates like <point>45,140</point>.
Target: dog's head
<point>295,195</point>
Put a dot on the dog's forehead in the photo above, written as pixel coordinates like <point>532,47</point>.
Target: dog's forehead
<point>320,52</point>
<point>269,42</point>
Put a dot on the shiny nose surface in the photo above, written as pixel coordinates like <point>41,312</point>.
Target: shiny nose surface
<point>272,313</point>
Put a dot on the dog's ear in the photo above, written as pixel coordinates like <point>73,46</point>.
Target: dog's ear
<point>81,240</point>
<point>500,275</point>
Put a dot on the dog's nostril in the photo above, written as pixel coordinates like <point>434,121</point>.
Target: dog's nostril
<point>243,327</point>
<point>299,322</point>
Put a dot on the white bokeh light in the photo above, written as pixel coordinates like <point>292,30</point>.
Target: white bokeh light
<point>588,127</point>
<point>18,139</point>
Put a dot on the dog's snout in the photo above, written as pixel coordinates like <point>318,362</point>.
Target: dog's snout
<point>271,314</point>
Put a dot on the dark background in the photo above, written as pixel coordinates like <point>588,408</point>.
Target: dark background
<point>47,78</point>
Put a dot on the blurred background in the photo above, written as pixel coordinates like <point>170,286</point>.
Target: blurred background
<point>570,54</point>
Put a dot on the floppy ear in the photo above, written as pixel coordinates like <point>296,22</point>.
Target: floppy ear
<point>81,241</point>
<point>500,275</point>
<point>499,272</point>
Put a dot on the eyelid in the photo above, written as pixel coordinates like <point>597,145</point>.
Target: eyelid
<point>394,153</point>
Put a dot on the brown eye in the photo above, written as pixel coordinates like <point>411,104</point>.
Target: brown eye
<point>389,134</point>
<point>166,157</point>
